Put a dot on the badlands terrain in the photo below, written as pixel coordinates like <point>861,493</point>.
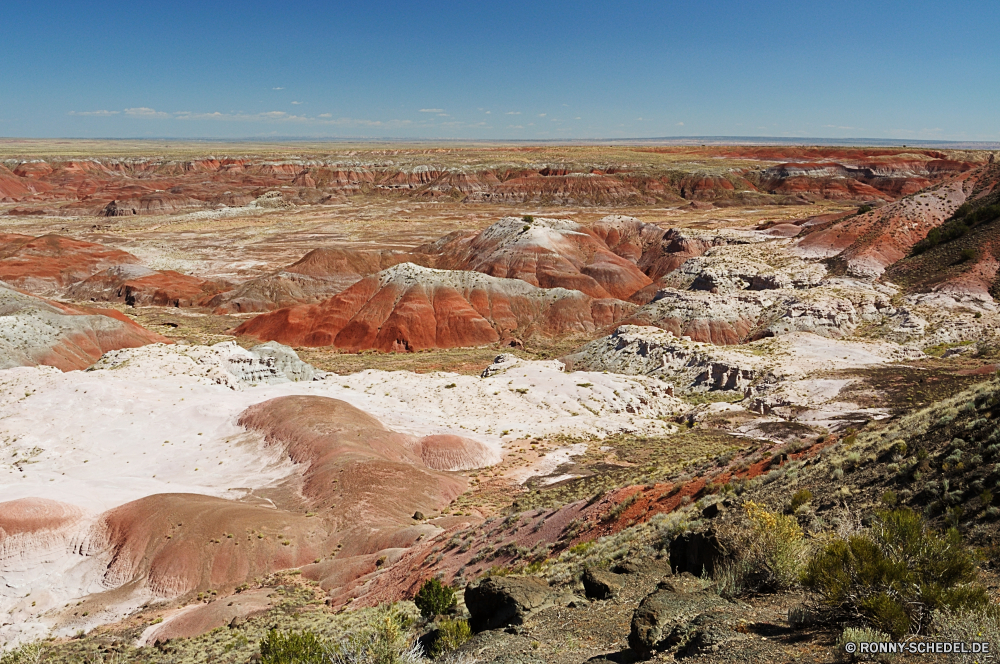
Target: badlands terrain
<point>246,387</point>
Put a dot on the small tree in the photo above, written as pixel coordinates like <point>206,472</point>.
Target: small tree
<point>897,573</point>
<point>434,599</point>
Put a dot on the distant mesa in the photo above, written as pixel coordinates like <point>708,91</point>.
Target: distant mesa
<point>116,188</point>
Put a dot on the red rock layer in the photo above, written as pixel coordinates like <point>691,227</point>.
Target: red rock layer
<point>317,275</point>
<point>152,186</point>
<point>866,244</point>
<point>179,543</point>
<point>139,286</point>
<point>351,463</point>
<point>49,262</point>
<point>410,308</point>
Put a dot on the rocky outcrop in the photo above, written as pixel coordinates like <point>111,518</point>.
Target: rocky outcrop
<point>650,351</point>
<point>501,601</point>
<point>600,583</point>
<point>675,616</point>
<point>228,364</point>
<point>407,307</point>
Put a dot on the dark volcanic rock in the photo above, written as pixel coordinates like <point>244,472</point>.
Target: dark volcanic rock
<point>668,618</point>
<point>600,583</point>
<point>501,601</point>
<point>695,552</point>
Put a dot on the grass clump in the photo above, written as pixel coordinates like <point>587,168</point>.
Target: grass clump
<point>897,573</point>
<point>799,498</point>
<point>435,599</point>
<point>967,626</point>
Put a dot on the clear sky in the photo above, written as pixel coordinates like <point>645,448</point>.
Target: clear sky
<point>501,70</point>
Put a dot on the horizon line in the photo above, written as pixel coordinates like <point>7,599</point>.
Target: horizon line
<point>817,141</point>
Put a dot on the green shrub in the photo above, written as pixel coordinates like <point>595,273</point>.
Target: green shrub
<point>967,254</point>
<point>452,633</point>
<point>528,219</point>
<point>897,573</point>
<point>964,219</point>
<point>863,209</point>
<point>889,498</point>
<point>292,648</point>
<point>434,599</point>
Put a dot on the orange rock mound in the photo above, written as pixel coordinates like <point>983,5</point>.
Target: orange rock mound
<point>408,307</point>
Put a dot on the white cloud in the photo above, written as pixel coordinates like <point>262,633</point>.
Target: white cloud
<point>577,118</point>
<point>277,88</point>
<point>488,112</point>
<point>296,102</point>
<point>542,115</point>
<point>513,112</point>
<point>515,126</point>
<point>432,110</point>
<point>267,117</point>
<point>680,124</point>
<point>145,112</point>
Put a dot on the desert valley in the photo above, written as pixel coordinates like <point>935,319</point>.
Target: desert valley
<point>621,399</point>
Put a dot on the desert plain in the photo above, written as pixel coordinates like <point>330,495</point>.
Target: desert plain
<point>255,386</point>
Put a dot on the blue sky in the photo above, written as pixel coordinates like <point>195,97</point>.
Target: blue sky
<point>501,70</point>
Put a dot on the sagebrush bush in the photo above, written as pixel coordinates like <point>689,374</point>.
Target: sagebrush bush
<point>383,641</point>
<point>292,648</point>
<point>766,556</point>
<point>452,633</point>
<point>981,625</point>
<point>897,573</point>
<point>435,599</point>
<point>29,653</point>
<point>861,635</point>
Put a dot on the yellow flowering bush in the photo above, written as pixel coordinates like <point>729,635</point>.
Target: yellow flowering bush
<point>767,554</point>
